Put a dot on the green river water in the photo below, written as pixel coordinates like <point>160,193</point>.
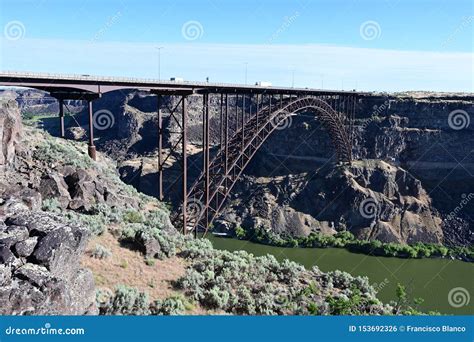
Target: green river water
<point>430,279</point>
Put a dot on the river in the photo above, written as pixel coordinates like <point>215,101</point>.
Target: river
<point>430,279</point>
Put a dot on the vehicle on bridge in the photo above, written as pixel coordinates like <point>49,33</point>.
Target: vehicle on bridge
<point>263,84</point>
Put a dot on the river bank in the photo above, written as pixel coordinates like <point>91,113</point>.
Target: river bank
<point>431,279</point>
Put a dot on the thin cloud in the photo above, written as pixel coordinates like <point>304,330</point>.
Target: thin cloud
<point>314,65</point>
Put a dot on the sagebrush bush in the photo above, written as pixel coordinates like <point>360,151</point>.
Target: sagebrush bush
<point>132,216</point>
<point>51,205</point>
<point>175,305</point>
<point>51,150</point>
<point>125,301</point>
<point>101,252</point>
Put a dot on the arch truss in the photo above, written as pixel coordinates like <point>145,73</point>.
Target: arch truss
<point>242,131</point>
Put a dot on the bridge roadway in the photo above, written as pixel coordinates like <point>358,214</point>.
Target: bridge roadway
<point>258,111</point>
<point>58,83</point>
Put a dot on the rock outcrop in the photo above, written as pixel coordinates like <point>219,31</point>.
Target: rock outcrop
<point>412,131</point>
<point>39,266</point>
<point>40,252</point>
<point>371,199</point>
<point>10,132</point>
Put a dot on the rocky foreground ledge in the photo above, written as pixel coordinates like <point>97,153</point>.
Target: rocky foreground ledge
<point>40,252</point>
<point>39,265</point>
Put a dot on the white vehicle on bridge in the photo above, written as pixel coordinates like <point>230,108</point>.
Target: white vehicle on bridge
<point>263,84</point>
<point>177,79</point>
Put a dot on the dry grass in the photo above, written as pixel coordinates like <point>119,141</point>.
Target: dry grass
<point>129,267</point>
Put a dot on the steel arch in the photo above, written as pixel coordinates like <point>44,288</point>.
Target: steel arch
<point>226,168</point>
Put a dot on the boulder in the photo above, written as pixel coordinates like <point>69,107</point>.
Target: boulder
<point>13,234</point>
<point>54,186</point>
<point>10,131</point>
<point>26,247</point>
<point>6,255</point>
<point>45,277</point>
<point>149,245</point>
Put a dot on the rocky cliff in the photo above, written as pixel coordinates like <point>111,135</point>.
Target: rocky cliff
<point>372,199</point>
<point>427,137</point>
<point>39,252</point>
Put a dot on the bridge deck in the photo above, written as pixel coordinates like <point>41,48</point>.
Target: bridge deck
<point>101,84</point>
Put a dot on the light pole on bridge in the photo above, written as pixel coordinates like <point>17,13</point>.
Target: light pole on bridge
<point>246,69</point>
<point>159,61</point>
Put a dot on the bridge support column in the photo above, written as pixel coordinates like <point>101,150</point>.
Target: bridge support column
<point>226,139</point>
<point>61,119</point>
<point>185,165</point>
<point>160,149</point>
<point>91,148</point>
<point>206,162</point>
<point>221,125</point>
<point>243,121</point>
<point>258,108</point>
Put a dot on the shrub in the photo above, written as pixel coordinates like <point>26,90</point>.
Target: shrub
<point>170,306</point>
<point>240,232</point>
<point>132,216</point>
<point>51,205</point>
<point>100,252</point>
<point>95,223</point>
<point>50,150</point>
<point>157,219</point>
<point>125,301</point>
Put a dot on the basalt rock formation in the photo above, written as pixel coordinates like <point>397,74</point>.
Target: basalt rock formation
<point>39,266</point>
<point>415,133</point>
<point>372,199</point>
<point>39,252</point>
<point>10,131</point>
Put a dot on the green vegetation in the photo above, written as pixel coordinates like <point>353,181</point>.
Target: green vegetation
<point>132,216</point>
<point>51,205</point>
<point>404,305</point>
<point>232,282</point>
<point>100,252</point>
<point>52,152</point>
<point>130,301</point>
<point>240,283</point>
<point>125,301</point>
<point>175,305</point>
<point>347,240</point>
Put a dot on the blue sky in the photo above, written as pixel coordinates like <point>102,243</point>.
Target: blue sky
<point>368,45</point>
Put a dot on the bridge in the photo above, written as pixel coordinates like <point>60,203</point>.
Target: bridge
<point>258,111</point>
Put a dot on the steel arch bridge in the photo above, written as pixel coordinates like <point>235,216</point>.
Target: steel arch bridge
<point>257,112</point>
<point>207,195</point>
